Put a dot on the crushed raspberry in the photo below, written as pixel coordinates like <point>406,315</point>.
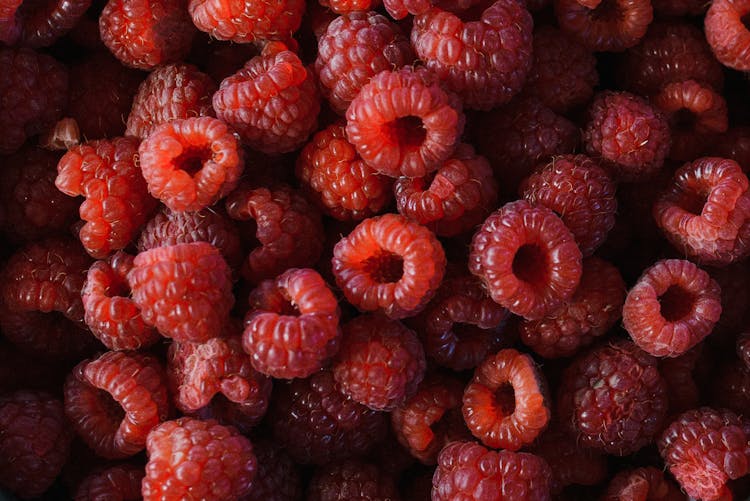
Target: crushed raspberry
<point>344,481</point>
<point>277,478</point>
<point>389,264</point>
<point>245,21</point>
<point>121,482</point>
<point>350,6</point>
<point>646,483</point>
<point>403,123</point>
<point>613,26</point>
<point>682,381</point>
<point>527,259</point>
<point>728,34</point>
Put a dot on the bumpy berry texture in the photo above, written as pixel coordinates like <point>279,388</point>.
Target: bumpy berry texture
<point>527,259</point>
<point>350,6</point>
<point>277,477</point>
<point>247,21</point>
<point>389,264</point>
<point>727,34</point>
<point>114,401</point>
<point>704,448</point>
<point>120,482</point>
<point>352,480</point>
<point>646,483</point>
<point>34,442</point>
<point>614,25</point>
<point>613,398</point>
<point>399,9</point>
<point>468,471</point>
<point>39,24</point>
<point>403,123</point>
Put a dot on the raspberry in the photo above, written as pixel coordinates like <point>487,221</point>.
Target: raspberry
<point>735,295</point>
<point>678,373</point>
<point>648,484</point>
<point>629,135</point>
<point>468,471</point>
<point>288,229</point>
<point>704,448</point>
<point>613,26</point>
<point>452,200</point>
<point>727,34</point>
<point>277,477</point>
<point>705,211</point>
<point>119,482</point>
<point>613,398</point>
<point>34,441</point>
<point>144,34</point>
<point>34,87</point>
<point>743,348</point>
<point>527,259</point>
<point>115,400</point>
<point>172,91</point>
<point>272,102</point>
<point>389,264</point>
<point>247,21</point>
<point>341,183</point>
<point>117,203</point>
<point>318,424</point>
<point>349,6</point>
<point>734,144</point>
<point>576,188</point>
<point>41,23</point>
<point>190,458</point>
<point>403,123</point>
<point>590,314</point>
<point>354,48</point>
<point>730,388</point>
<point>399,9</point>
<point>351,480</point>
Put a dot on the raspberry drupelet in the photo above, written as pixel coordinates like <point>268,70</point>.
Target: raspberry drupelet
<point>527,259</point>
<point>120,482</point>
<point>277,477</point>
<point>613,26</point>
<point>645,483</point>
<point>114,401</point>
<point>350,480</point>
<point>727,33</point>
<point>403,123</point>
<point>389,264</point>
<point>399,9</point>
<point>248,21</point>
<point>350,6</point>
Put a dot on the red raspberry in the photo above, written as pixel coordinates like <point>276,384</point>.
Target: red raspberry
<point>399,9</point>
<point>349,6</point>
<point>115,400</point>
<point>592,311</point>
<point>341,183</point>
<point>730,387</point>
<point>613,398</point>
<point>727,34</point>
<point>354,48</point>
<point>733,144</point>
<point>389,264</point>
<point>272,102</point>
<point>647,484</point>
<point>704,448</point>
<point>41,23</point>
<point>403,123</point>
<point>527,259</point>
<point>144,34</point>
<point>679,374</point>
<point>121,482</point>
<point>318,424</point>
<point>743,348</point>
<point>34,442</point>
<point>190,458</point>
<point>245,21</point>
<point>467,471</point>
<point>172,91</point>
<point>34,87</point>
<point>452,200</point>
<point>629,135</point>
<point>277,477</point>
<point>117,203</point>
<point>350,480</point>
<point>613,26</point>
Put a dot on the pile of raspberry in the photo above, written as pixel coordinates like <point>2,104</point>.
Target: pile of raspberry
<point>364,250</point>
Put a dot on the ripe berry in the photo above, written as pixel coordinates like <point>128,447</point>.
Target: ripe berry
<point>647,483</point>
<point>118,482</point>
<point>727,34</point>
<point>247,21</point>
<point>613,25</point>
<point>39,24</point>
<point>277,477</point>
<point>345,481</point>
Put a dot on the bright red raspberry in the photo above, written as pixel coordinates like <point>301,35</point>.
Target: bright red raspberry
<point>399,9</point>
<point>172,91</point>
<point>354,48</point>
<point>647,484</point>
<point>613,26</point>
<point>277,477</point>
<point>115,400</point>
<point>727,34</point>
<point>704,448</point>
<point>350,6</point>
<point>272,102</point>
<point>403,123</point>
<point>470,472</point>
<point>246,21</point>
<point>121,482</point>
<point>389,264</point>
<point>349,480</point>
<point>34,442</point>
<point>613,398</point>
<point>527,259</point>
<point>733,144</point>
<point>189,458</point>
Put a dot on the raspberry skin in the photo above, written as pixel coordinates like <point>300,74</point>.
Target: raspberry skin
<point>403,123</point>
<point>40,24</point>
<point>647,483</point>
<point>470,472</point>
<point>389,264</point>
<point>350,6</point>
<point>120,482</point>
<point>527,259</point>
<point>399,9</point>
<point>350,480</point>
<point>34,442</point>
<point>727,34</point>
<point>704,448</point>
<point>247,21</point>
<point>613,26</point>
<point>613,398</point>
<point>277,477</point>
<point>115,400</point>
<point>193,459</point>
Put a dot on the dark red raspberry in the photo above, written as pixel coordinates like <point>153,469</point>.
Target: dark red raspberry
<point>467,471</point>
<point>613,26</point>
<point>647,484</point>
<point>318,424</point>
<point>272,102</point>
<point>613,398</point>
<point>629,135</point>
<point>190,458</point>
<point>727,33</point>
<point>277,477</point>
<point>115,400</point>
<point>335,176</point>
<point>729,387</point>
<point>680,375</point>
<point>34,87</point>
<point>245,21</point>
<point>403,123</point>
<point>452,200</point>
<point>527,259</point>
<point>351,480</point>
<point>10,26</point>
<point>39,23</point>
<point>743,348</point>
<point>704,448</point>
<point>117,203</point>
<point>144,34</point>
<point>735,295</point>
<point>733,144</point>
<point>121,482</point>
<point>34,442</point>
<point>389,264</point>
<point>172,91</point>
<point>349,6</point>
<point>354,48</point>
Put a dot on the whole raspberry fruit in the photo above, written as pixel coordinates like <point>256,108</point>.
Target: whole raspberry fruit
<point>349,6</point>
<point>277,477</point>
<point>121,482</point>
<point>351,480</point>
<point>646,483</point>
<point>246,21</point>
<point>613,25</point>
<point>727,34</point>
<point>39,23</point>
